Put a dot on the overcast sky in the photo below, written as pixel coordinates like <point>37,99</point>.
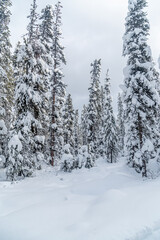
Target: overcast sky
<point>91,29</point>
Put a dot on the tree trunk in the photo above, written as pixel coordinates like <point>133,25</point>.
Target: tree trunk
<point>111,157</point>
<point>144,168</point>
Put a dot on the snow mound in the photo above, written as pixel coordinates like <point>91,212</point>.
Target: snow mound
<point>108,201</point>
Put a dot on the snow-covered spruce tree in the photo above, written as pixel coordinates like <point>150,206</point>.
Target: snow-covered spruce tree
<point>58,91</point>
<point>93,110</point>
<point>68,123</point>
<point>120,123</point>
<point>140,96</point>
<point>47,31</point>
<point>77,140</point>
<point>33,23</point>
<point>83,157</point>
<point>16,169</point>
<point>110,129</point>
<point>67,159</point>
<point>83,125</point>
<point>101,125</point>
<point>46,37</point>
<point>30,74</point>
<point>6,78</point>
<point>69,133</point>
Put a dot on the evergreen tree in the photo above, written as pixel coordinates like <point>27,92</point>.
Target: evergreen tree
<point>33,29</point>
<point>83,126</point>
<point>46,32</point>
<point>140,96</point>
<point>120,122</point>
<point>101,125</point>
<point>30,73</point>
<point>46,26</point>
<point>6,78</point>
<point>68,121</point>
<point>16,167</point>
<point>58,90</point>
<point>77,142</point>
<point>93,110</point>
<point>46,38</point>
<point>110,128</point>
<point>83,158</point>
<point>90,160</point>
<point>67,164</point>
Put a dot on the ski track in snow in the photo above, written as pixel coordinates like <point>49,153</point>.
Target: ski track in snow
<point>107,202</point>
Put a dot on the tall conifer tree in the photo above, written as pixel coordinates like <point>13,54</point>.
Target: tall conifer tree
<point>77,133</point>
<point>83,125</point>
<point>140,96</point>
<point>109,124</point>
<point>46,37</point>
<point>93,110</point>
<point>100,149</point>
<point>30,72</point>
<point>6,78</point>
<point>120,122</point>
<point>68,123</point>
<point>58,90</point>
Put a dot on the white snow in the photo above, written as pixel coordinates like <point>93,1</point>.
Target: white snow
<point>15,143</point>
<point>2,161</point>
<point>132,4</point>
<point>3,129</point>
<point>107,202</point>
<point>40,139</point>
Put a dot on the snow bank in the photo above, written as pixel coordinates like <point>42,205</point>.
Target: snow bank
<point>107,202</point>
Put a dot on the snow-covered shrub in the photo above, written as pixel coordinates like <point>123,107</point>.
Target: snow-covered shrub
<point>67,160</point>
<point>82,156</point>
<point>16,166</point>
<point>90,161</point>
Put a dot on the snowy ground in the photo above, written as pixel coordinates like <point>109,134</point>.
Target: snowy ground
<point>108,202</point>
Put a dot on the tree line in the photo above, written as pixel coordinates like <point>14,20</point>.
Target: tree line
<point>38,123</point>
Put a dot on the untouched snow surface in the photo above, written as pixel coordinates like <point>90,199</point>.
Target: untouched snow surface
<point>107,202</point>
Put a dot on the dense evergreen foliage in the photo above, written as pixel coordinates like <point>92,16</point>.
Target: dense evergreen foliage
<point>110,137</point>
<point>30,75</point>
<point>120,123</point>
<point>140,96</point>
<point>6,78</point>
<point>38,123</point>
<point>58,89</point>
<point>93,109</point>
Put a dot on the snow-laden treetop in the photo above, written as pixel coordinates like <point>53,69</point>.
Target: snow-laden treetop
<point>132,4</point>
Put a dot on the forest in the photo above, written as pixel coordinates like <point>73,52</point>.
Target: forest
<point>39,126</point>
